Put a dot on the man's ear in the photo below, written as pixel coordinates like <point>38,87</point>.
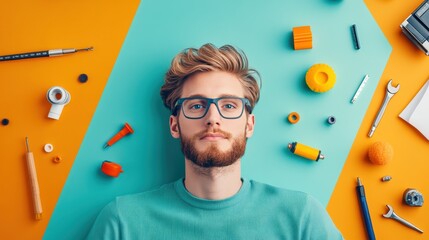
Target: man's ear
<point>250,125</point>
<point>174,126</point>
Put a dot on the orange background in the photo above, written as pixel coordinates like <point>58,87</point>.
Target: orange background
<point>32,26</point>
<point>28,26</point>
<point>407,66</point>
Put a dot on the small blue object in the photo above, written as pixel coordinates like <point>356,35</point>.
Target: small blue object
<point>4,121</point>
<point>83,78</point>
<point>355,37</point>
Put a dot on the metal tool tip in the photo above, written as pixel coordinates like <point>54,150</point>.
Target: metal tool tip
<point>26,144</point>
<point>359,181</point>
<point>106,145</point>
<point>85,49</point>
<point>371,132</point>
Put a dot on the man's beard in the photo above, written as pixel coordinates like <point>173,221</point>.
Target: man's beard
<point>212,156</point>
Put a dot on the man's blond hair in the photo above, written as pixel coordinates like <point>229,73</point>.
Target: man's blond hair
<point>209,58</point>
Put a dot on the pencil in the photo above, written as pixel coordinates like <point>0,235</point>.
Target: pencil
<point>34,183</point>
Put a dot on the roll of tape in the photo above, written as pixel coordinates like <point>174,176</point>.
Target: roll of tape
<point>48,148</point>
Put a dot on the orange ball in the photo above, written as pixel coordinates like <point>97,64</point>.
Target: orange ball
<point>380,153</point>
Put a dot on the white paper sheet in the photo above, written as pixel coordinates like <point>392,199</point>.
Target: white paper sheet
<point>417,111</point>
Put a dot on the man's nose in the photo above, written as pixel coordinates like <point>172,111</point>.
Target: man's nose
<point>213,116</point>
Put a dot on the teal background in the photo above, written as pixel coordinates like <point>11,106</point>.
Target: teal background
<point>263,30</point>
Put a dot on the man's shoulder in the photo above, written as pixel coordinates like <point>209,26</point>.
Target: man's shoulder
<point>154,194</point>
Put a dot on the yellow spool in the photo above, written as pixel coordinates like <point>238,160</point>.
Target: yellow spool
<point>320,78</point>
<point>305,151</point>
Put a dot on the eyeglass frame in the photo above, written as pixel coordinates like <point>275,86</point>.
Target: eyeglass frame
<point>179,102</point>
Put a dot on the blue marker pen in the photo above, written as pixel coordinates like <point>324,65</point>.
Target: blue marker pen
<point>365,211</point>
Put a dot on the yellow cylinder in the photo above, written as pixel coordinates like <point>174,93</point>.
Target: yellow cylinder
<point>305,151</point>
<point>320,78</point>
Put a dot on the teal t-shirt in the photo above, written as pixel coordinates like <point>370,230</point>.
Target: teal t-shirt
<point>257,211</point>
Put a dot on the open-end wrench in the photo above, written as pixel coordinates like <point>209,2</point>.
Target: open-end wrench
<point>392,214</point>
<point>390,91</point>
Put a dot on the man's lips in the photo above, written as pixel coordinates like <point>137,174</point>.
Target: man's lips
<point>212,136</point>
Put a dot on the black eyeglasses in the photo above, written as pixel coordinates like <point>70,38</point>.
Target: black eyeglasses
<point>197,107</point>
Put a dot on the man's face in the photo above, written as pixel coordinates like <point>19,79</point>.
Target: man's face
<point>212,141</point>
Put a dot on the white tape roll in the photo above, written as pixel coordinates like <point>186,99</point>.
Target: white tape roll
<point>48,148</point>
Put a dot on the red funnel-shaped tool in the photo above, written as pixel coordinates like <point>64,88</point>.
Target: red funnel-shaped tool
<point>125,131</point>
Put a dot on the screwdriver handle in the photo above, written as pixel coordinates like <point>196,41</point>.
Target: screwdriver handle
<point>19,56</point>
<point>34,185</point>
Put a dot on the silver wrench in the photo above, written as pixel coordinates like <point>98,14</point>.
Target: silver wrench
<point>392,214</point>
<point>390,91</point>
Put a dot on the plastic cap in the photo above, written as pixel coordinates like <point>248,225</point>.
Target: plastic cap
<point>111,169</point>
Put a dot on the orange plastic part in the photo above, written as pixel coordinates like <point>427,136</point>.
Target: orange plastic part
<point>125,131</point>
<point>111,169</point>
<point>302,38</point>
<point>293,117</point>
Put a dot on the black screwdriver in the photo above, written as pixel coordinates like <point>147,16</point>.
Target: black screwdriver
<point>45,53</point>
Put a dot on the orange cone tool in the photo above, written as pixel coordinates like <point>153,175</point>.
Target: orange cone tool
<point>125,131</point>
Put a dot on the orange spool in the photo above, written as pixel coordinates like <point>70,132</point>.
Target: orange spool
<point>293,117</point>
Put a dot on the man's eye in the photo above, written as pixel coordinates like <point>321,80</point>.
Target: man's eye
<point>196,106</point>
<point>229,106</point>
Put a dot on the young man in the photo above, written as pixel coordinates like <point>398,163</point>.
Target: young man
<point>211,93</point>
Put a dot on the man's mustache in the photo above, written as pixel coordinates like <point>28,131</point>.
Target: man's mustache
<point>214,131</point>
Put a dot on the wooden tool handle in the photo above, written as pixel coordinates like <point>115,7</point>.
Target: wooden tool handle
<point>34,185</point>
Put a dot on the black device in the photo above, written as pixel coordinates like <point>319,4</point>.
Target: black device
<point>416,27</point>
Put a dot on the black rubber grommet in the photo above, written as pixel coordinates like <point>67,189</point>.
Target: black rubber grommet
<point>4,121</point>
<point>83,78</point>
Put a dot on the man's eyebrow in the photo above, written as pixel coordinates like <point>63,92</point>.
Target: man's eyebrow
<point>195,95</point>
<point>228,95</point>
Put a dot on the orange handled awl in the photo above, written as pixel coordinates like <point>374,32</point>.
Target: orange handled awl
<point>34,183</point>
<point>125,131</point>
